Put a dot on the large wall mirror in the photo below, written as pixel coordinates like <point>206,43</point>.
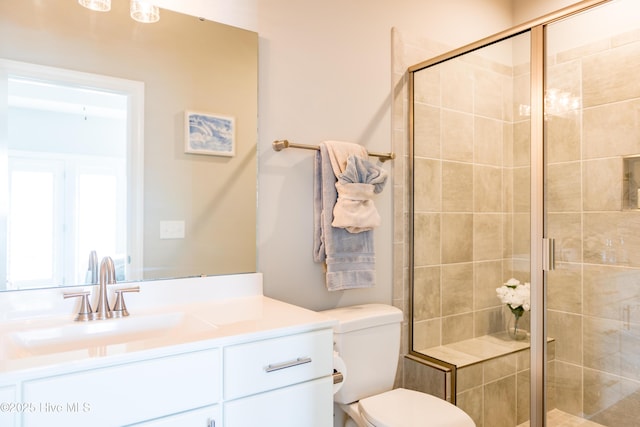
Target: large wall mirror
<point>93,160</point>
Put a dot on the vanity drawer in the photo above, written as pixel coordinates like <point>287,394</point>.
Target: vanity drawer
<point>278,362</point>
<point>126,394</point>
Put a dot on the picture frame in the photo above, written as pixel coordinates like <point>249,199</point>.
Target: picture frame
<point>209,134</point>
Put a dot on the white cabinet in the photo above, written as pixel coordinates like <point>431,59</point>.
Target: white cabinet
<point>234,358</point>
<point>126,394</point>
<point>203,417</point>
<point>283,380</point>
<point>9,408</point>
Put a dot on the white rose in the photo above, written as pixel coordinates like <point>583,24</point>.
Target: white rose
<point>512,282</point>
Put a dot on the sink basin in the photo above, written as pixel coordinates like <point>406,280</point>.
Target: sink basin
<point>71,335</point>
<point>95,329</point>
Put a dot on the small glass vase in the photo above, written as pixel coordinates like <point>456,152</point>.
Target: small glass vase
<point>513,329</point>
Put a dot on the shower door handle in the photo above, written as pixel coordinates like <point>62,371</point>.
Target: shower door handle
<point>548,254</point>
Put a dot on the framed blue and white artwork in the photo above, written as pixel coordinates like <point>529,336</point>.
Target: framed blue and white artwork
<point>211,134</point>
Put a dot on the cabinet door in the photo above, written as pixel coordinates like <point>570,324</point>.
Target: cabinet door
<point>8,411</point>
<point>308,404</point>
<point>203,417</point>
<point>126,394</point>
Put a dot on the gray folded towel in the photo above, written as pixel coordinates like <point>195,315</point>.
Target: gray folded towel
<point>349,258</point>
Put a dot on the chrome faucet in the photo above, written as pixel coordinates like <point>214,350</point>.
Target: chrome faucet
<point>107,277</point>
<point>103,310</point>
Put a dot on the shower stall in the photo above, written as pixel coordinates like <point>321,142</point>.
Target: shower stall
<point>524,164</point>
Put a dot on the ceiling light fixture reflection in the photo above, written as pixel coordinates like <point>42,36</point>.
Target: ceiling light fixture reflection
<point>556,103</point>
<point>145,12</point>
<point>140,10</point>
<point>97,5</point>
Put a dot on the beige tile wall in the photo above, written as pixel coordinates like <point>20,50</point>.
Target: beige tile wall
<point>408,50</point>
<point>594,304</point>
<point>471,195</point>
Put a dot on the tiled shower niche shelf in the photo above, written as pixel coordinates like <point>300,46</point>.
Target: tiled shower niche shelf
<point>631,183</point>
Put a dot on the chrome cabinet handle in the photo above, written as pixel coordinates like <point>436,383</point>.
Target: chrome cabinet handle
<point>288,364</point>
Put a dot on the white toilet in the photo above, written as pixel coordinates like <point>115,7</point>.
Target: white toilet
<point>367,339</point>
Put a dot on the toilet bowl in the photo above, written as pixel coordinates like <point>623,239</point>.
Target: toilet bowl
<point>408,408</point>
<point>367,340</point>
<point>405,408</point>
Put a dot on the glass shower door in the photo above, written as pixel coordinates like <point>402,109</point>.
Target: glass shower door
<point>471,223</point>
<point>592,205</point>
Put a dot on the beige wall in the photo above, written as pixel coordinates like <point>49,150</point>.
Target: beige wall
<point>325,71</point>
<point>526,10</point>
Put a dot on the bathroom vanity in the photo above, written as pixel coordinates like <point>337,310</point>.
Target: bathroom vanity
<point>196,352</point>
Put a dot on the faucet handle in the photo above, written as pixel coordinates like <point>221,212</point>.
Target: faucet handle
<point>85,312</point>
<point>119,308</point>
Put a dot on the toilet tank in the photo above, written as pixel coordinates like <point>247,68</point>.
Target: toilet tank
<point>367,338</point>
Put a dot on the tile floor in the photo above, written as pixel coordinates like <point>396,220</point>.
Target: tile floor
<point>557,418</point>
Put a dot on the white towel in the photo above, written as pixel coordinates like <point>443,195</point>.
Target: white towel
<point>357,185</point>
<point>339,153</point>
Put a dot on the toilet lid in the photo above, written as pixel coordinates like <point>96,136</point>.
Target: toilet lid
<point>408,408</point>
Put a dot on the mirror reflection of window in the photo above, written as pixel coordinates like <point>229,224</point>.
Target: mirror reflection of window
<point>101,217</point>
<point>67,181</point>
<point>32,217</point>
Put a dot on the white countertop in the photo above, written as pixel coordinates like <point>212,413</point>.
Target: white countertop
<point>167,317</point>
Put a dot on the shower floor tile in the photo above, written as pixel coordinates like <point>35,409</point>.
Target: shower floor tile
<point>557,418</point>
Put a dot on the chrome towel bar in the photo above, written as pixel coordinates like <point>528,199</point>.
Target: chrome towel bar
<point>283,143</point>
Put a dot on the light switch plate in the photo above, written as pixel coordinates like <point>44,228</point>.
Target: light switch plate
<point>171,229</point>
